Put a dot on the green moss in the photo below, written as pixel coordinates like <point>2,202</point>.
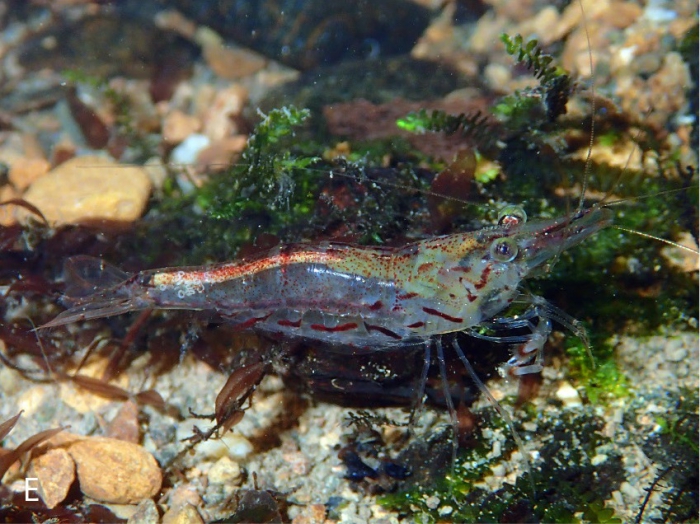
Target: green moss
<point>675,426</point>
<point>271,189</point>
<point>602,381</point>
<point>567,487</point>
<point>674,450</point>
<point>469,126</point>
<point>530,54</point>
<point>266,176</point>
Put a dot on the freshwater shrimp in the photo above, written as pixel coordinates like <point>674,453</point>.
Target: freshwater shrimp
<point>366,297</point>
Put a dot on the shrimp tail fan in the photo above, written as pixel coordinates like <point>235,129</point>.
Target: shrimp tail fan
<point>95,289</point>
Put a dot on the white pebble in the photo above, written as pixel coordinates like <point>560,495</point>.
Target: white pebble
<point>568,395</point>
<point>599,459</point>
<point>187,151</point>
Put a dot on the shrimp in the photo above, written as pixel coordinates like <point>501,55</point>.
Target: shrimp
<point>366,297</point>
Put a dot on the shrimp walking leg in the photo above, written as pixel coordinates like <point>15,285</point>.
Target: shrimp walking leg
<point>448,399</point>
<point>417,404</point>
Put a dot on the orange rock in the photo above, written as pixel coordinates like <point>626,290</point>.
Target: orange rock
<point>114,471</point>
<point>8,213</point>
<point>220,154</point>
<point>186,514</point>
<point>26,170</point>
<point>125,425</point>
<point>227,104</point>
<point>177,126</point>
<point>55,471</point>
<point>91,189</point>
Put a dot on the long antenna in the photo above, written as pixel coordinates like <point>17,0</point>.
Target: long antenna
<point>587,168</point>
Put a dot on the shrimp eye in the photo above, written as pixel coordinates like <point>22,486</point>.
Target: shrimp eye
<point>504,249</point>
<point>512,216</point>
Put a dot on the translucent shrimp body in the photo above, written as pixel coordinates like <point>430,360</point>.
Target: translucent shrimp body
<point>344,294</point>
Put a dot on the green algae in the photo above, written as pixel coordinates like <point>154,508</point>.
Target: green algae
<point>602,379</point>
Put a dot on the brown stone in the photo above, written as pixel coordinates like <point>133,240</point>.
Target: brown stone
<point>115,471</point>
<point>186,514</point>
<point>225,471</point>
<point>55,471</point>
<point>228,103</point>
<point>233,63</point>
<point>90,189</point>
<point>146,513</point>
<point>312,514</point>
<point>177,126</point>
<point>220,154</point>
<point>624,14</point>
<point>125,425</point>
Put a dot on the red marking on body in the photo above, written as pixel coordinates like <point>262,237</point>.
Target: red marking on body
<point>383,331</point>
<point>252,321</point>
<point>407,296</point>
<point>483,279</point>
<point>416,325</point>
<point>376,306</point>
<point>435,312</point>
<point>289,323</point>
<point>423,268</point>
<point>334,329</point>
<point>237,270</point>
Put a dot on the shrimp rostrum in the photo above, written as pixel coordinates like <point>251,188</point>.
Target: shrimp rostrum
<point>367,297</point>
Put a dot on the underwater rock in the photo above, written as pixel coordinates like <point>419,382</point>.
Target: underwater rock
<point>88,189</point>
<point>305,35</point>
<point>107,45</point>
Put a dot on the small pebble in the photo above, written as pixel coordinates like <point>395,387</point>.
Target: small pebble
<point>233,63</point>
<point>146,513</point>
<point>568,395</point>
<point>219,122</point>
<point>225,471</point>
<point>599,459</point>
<point>55,471</point>
<point>186,514</point>
<point>432,502</point>
<point>177,126</point>
<point>677,354</point>
<point>499,470</point>
<point>115,471</point>
<point>125,426</point>
<point>187,151</point>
